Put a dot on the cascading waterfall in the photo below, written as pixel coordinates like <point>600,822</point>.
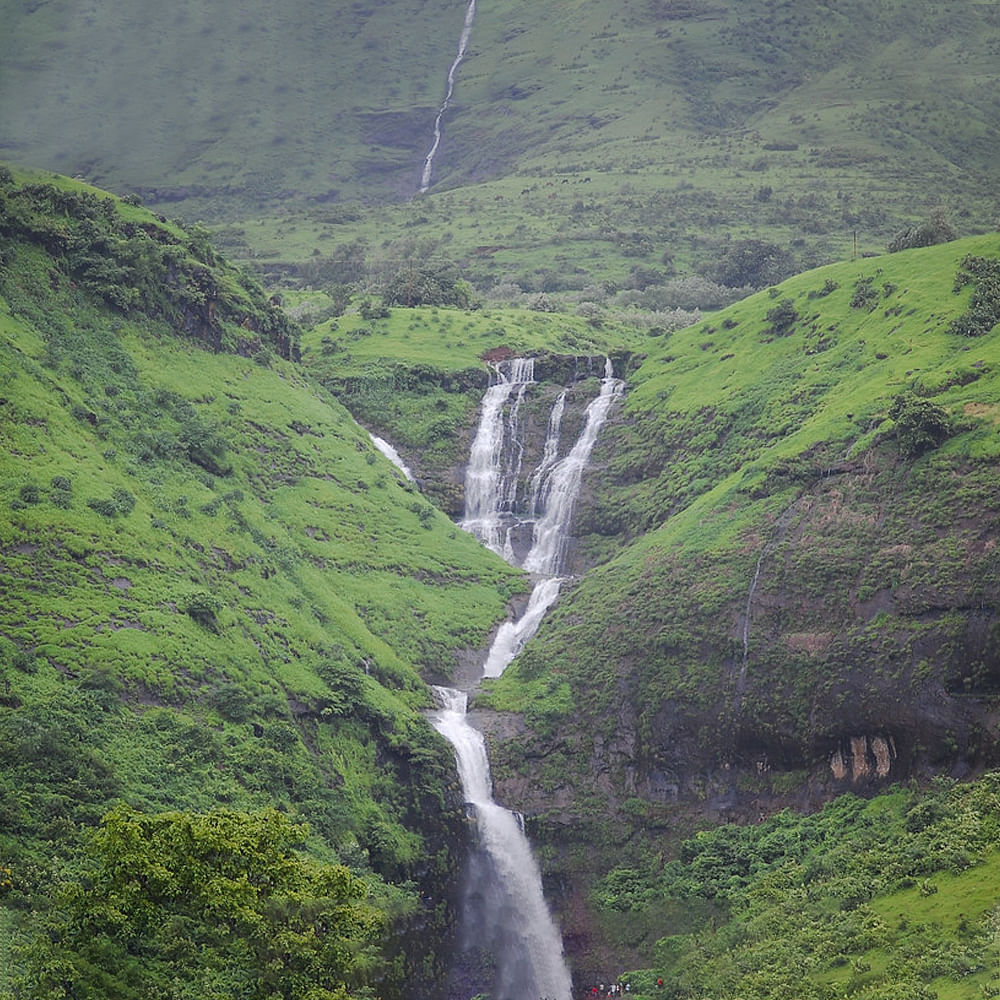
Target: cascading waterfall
<point>562,485</point>
<point>550,453</point>
<point>463,44</point>
<point>491,475</point>
<point>516,923</point>
<point>512,636</point>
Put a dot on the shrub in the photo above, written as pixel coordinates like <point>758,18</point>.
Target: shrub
<point>752,262</point>
<point>984,309</point>
<point>920,424</point>
<point>203,607</point>
<point>782,318</point>
<point>103,506</point>
<point>865,294</point>
<point>935,230</point>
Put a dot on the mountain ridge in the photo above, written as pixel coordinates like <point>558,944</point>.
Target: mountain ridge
<point>669,132</point>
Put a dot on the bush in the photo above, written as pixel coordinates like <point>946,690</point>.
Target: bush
<point>752,262</point>
<point>865,294</point>
<point>920,424</point>
<point>782,318</point>
<point>935,230</point>
<point>203,607</point>
<point>984,309</point>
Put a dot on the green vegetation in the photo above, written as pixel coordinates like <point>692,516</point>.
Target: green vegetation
<point>216,594</point>
<point>617,145</point>
<point>794,524</point>
<point>892,897</point>
<point>416,376</point>
<point>217,905</point>
<point>220,601</point>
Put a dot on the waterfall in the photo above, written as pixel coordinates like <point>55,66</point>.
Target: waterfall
<point>463,43</point>
<point>511,918</point>
<point>512,636</point>
<point>495,462</point>
<point>550,453</point>
<point>491,475</point>
<point>562,485</point>
<point>516,923</point>
<point>391,454</point>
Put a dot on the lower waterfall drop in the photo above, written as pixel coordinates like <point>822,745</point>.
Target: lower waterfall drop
<point>514,921</point>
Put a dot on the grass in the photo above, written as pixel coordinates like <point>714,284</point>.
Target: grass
<point>580,144</point>
<point>214,588</point>
<point>865,898</point>
<point>453,340</point>
<point>760,533</point>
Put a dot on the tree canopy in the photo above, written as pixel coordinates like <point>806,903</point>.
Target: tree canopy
<point>216,905</point>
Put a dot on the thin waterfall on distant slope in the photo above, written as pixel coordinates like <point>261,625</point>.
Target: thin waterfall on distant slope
<point>391,454</point>
<point>463,44</point>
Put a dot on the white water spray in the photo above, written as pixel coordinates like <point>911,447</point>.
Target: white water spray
<point>491,488</point>
<point>391,454</point>
<point>550,453</point>
<point>561,486</point>
<point>512,636</point>
<point>463,43</point>
<point>518,926</point>
<point>491,475</point>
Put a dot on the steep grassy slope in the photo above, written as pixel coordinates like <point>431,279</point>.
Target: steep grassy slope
<point>237,103</point>
<point>613,143</point>
<point>215,591</point>
<point>797,522</point>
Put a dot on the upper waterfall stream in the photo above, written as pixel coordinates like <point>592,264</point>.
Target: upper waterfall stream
<point>463,44</point>
<point>511,917</point>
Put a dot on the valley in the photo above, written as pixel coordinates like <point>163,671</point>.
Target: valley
<point>499,500</point>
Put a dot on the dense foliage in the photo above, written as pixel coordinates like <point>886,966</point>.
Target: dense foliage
<point>885,898</point>
<point>140,265</point>
<point>214,905</point>
<point>214,593</point>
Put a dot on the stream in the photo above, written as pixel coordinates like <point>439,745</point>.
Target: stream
<point>463,44</point>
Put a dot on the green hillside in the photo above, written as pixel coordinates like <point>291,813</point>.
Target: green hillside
<point>754,738</point>
<point>598,145</point>
<point>796,521</point>
<point>221,606</point>
<point>894,897</point>
<point>216,594</point>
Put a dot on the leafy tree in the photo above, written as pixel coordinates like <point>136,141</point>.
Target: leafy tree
<point>920,424</point>
<point>752,262</point>
<point>428,284</point>
<point>936,229</point>
<point>203,906</point>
